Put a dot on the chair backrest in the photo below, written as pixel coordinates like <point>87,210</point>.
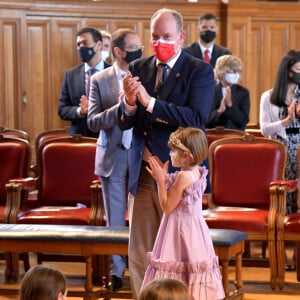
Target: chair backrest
<point>15,155</point>
<point>220,132</point>
<point>254,131</point>
<point>50,134</point>
<point>66,170</point>
<point>241,170</point>
<point>14,133</point>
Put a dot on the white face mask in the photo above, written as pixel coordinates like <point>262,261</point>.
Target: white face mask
<point>232,78</point>
<point>104,54</point>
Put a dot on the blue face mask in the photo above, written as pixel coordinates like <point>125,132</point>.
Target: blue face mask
<point>86,53</point>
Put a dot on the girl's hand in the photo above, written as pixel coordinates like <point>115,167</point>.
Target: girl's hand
<point>157,169</point>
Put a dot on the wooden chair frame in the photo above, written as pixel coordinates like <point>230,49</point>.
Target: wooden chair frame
<point>268,235</point>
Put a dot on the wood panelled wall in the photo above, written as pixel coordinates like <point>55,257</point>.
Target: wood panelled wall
<point>38,45</point>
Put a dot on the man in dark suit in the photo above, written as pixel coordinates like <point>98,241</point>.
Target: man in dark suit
<point>159,99</point>
<point>73,100</point>
<point>205,48</point>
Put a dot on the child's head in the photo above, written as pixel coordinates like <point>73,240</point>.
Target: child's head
<point>165,289</point>
<point>191,141</point>
<point>43,282</point>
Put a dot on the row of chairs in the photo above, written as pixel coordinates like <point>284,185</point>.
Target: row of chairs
<point>246,173</point>
<point>68,192</point>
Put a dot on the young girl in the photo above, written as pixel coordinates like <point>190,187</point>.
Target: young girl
<point>183,249</point>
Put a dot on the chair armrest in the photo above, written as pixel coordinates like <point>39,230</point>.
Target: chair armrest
<point>14,196</point>
<point>290,185</point>
<point>28,183</point>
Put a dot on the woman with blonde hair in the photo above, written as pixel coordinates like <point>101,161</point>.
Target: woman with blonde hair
<point>231,104</point>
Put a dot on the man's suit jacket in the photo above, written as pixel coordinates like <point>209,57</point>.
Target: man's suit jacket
<point>73,87</point>
<point>184,100</point>
<point>235,117</point>
<point>102,116</point>
<point>195,50</point>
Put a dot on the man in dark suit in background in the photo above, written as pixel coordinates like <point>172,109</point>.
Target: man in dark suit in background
<point>205,48</point>
<point>73,100</point>
<point>158,99</point>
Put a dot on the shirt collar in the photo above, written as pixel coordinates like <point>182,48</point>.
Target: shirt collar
<point>98,67</point>
<point>204,48</point>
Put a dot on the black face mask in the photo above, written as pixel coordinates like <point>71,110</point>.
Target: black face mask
<point>207,36</point>
<point>296,77</point>
<point>86,53</point>
<point>133,55</point>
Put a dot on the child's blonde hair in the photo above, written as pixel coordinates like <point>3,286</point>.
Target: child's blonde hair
<point>191,140</point>
<point>165,289</point>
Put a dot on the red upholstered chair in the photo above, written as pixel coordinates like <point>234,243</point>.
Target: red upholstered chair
<point>220,132</point>
<point>288,226</point>
<point>14,133</point>
<point>44,136</point>
<point>242,198</point>
<point>15,155</point>
<point>254,131</point>
<point>214,134</point>
<point>66,176</point>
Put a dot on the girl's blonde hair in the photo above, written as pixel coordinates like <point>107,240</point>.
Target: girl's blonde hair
<point>227,64</point>
<point>191,140</point>
<point>165,289</point>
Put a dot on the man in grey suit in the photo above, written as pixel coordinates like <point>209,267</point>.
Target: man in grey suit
<point>113,146</point>
<point>207,29</point>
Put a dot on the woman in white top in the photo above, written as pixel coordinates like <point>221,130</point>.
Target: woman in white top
<point>280,114</point>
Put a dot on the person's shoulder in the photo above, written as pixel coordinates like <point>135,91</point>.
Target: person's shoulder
<point>75,68</point>
<point>191,48</point>
<point>222,49</point>
<point>107,72</point>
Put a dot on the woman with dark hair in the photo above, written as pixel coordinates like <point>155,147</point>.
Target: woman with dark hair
<point>280,115</point>
<point>43,283</point>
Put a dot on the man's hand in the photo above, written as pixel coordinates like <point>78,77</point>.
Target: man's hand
<point>84,105</point>
<point>131,86</point>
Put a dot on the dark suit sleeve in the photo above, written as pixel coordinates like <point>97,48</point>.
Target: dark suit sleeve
<point>67,106</point>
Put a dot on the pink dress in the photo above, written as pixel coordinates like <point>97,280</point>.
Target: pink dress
<point>183,248</point>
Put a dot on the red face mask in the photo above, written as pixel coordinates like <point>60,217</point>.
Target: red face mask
<point>163,50</point>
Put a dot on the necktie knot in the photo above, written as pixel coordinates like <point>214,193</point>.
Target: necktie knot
<point>92,71</point>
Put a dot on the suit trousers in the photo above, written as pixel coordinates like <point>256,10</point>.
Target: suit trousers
<point>145,214</point>
<point>114,191</point>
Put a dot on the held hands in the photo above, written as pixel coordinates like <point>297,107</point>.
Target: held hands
<point>222,107</point>
<point>134,90</point>
<point>157,169</point>
<point>228,100</point>
<point>84,105</point>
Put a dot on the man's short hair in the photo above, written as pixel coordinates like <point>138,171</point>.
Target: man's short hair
<point>96,35</point>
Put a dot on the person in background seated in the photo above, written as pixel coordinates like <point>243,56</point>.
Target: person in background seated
<point>165,289</point>
<point>106,53</point>
<point>73,100</point>
<point>205,48</point>
<point>43,283</point>
<point>231,105</point>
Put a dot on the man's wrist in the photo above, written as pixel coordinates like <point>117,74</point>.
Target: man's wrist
<point>126,102</point>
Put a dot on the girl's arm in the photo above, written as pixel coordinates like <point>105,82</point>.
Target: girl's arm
<point>168,199</point>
